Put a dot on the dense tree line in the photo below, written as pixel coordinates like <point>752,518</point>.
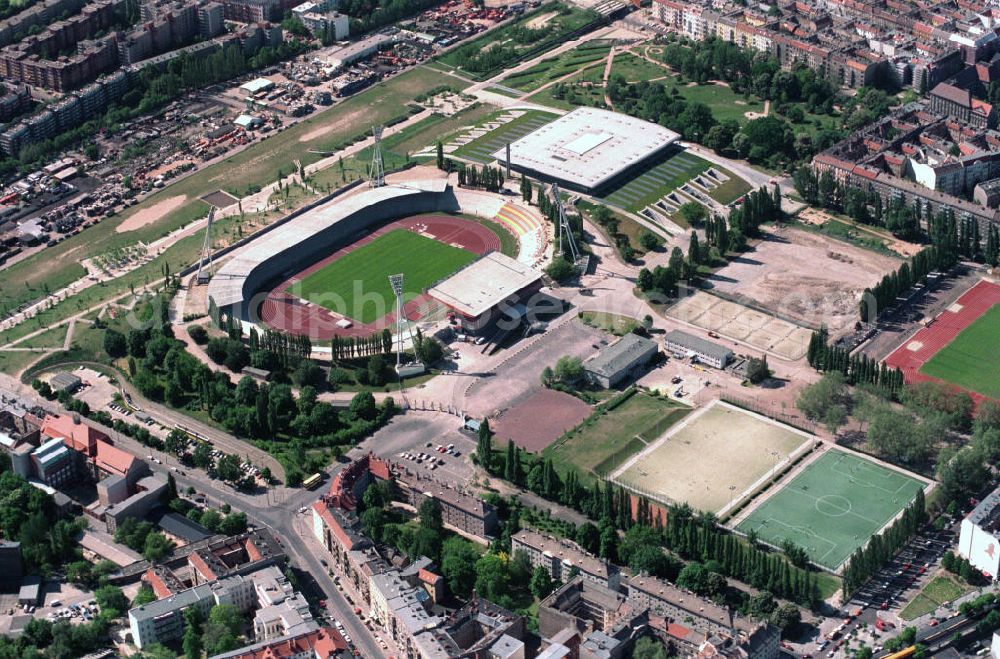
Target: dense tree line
<point>349,347</point>
<point>868,560</point>
<point>489,178</point>
<point>688,536</point>
<point>28,515</point>
<point>883,295</point>
<point>858,369</point>
<point>291,428</point>
<point>759,206</point>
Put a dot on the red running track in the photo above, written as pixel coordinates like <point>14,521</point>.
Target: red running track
<point>294,315</point>
<point>974,302</point>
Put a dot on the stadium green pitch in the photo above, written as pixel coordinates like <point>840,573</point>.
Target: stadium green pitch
<point>833,506</point>
<point>961,362</point>
<point>357,284</point>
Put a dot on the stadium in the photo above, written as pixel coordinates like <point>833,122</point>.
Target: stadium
<point>325,271</point>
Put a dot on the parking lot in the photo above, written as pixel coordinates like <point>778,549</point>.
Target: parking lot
<point>421,433</point>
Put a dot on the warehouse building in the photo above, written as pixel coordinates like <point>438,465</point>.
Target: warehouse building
<point>619,361</point>
<point>705,351</point>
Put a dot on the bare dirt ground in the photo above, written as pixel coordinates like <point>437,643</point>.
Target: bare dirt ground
<point>151,214</point>
<point>320,131</point>
<point>819,217</point>
<point>540,419</point>
<point>804,277</point>
<point>541,21</point>
<point>518,376</point>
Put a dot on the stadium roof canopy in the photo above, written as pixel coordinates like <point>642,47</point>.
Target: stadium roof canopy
<point>484,283</point>
<point>587,147</point>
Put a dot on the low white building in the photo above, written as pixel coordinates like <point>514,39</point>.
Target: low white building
<point>978,541</point>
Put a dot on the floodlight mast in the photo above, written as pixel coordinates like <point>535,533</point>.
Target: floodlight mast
<point>396,281</point>
<point>205,263</point>
<point>562,226</point>
<point>376,172</point>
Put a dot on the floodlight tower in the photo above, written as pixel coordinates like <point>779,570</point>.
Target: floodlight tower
<point>396,281</point>
<point>376,171</point>
<point>562,226</point>
<point>205,264</point>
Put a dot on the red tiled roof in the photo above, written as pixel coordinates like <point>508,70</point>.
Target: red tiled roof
<point>114,460</point>
<point>677,631</point>
<point>324,643</point>
<point>76,435</point>
<point>428,577</point>
<point>159,587</point>
<point>199,564</point>
<point>252,552</point>
<point>331,522</point>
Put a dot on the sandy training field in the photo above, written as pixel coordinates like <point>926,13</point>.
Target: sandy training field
<point>741,323</point>
<point>151,214</point>
<point>713,459</point>
<point>805,277</point>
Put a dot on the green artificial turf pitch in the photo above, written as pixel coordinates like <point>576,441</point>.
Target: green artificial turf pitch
<point>833,506</point>
<point>962,361</point>
<point>357,284</point>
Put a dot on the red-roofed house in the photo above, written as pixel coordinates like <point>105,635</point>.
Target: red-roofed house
<point>432,583</point>
<point>75,434</point>
<point>323,643</point>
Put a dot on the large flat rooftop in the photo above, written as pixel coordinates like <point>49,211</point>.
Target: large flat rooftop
<point>477,287</point>
<point>588,147</point>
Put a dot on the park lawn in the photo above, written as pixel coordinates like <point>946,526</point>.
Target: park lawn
<point>258,164</point>
<point>608,438</point>
<point>940,590</point>
<point>556,67</point>
<point>47,340</point>
<point>613,323</point>
<point>636,69</point>
<point>482,148</point>
<point>724,102</point>
<point>362,275</point>
<point>961,362</point>
<point>586,88</point>
<point>626,226</point>
<point>731,190</point>
<point>13,362</point>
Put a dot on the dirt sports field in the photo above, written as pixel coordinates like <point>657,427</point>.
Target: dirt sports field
<point>285,311</point>
<point>808,278</point>
<point>715,457</point>
<point>539,419</point>
<point>741,323</point>
<point>945,351</point>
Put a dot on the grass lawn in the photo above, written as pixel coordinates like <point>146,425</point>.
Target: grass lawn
<point>961,361</point>
<point>731,190</point>
<point>655,180</point>
<point>583,89</point>
<point>362,274</point>
<point>182,253</point>
<point>940,590</point>
<point>482,148</point>
<point>554,68</point>
<point>567,19</point>
<point>13,362</point>
<point>258,164</point>
<point>608,438</point>
<point>50,338</point>
<point>833,506</point>
<point>609,322</point>
<point>626,226</point>
<point>636,69</point>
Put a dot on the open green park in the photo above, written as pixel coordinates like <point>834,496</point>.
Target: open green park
<point>940,590</point>
<point>961,362</point>
<point>833,506</point>
<point>586,54</point>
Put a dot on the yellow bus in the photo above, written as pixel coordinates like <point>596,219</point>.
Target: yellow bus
<point>312,482</point>
<point>902,654</point>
